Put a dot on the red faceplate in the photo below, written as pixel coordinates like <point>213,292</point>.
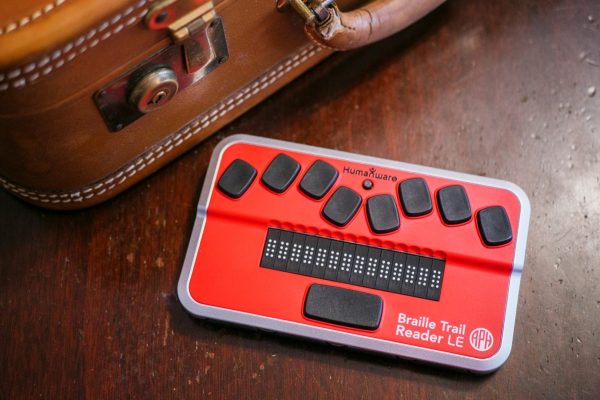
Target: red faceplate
<point>226,272</point>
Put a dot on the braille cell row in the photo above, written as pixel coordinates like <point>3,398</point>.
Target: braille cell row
<point>348,262</point>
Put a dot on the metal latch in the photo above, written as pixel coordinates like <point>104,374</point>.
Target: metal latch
<point>312,11</point>
<point>197,34</point>
<point>198,52</point>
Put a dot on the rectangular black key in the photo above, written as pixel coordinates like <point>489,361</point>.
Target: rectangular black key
<point>308,255</point>
<point>454,204</point>
<point>319,178</point>
<point>347,262</point>
<point>373,260</point>
<point>494,226</point>
<point>321,253</point>
<point>397,273</point>
<point>280,173</point>
<point>414,196</point>
<point>435,279</point>
<point>359,265</point>
<point>334,259</point>
<point>343,306</point>
<point>237,178</point>
<point>342,206</point>
<point>385,269</point>
<point>382,213</point>
<point>423,277</point>
<point>410,274</point>
<point>296,252</point>
<point>283,250</point>
<point>269,251</point>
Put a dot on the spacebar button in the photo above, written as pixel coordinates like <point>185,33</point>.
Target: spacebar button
<point>343,307</point>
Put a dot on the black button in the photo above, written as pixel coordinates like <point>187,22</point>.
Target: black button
<point>494,226</point>
<point>454,204</point>
<point>414,196</point>
<point>367,184</point>
<point>343,307</point>
<point>342,205</point>
<point>382,213</point>
<point>237,178</point>
<point>319,178</point>
<point>280,173</point>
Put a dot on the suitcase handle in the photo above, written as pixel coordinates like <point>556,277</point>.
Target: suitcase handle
<point>329,27</point>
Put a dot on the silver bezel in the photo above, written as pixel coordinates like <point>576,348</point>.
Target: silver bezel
<point>344,338</point>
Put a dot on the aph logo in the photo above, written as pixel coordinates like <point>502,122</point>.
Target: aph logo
<point>370,173</point>
<point>481,339</point>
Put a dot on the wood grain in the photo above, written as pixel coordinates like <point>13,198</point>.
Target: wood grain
<point>87,299</point>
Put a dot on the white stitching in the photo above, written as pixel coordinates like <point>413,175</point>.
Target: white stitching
<point>13,26</point>
<point>73,48</point>
<point>175,140</point>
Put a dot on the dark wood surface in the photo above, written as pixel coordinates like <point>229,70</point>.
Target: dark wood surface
<point>88,305</point>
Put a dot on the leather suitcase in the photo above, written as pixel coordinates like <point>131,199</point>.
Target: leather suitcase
<point>98,94</point>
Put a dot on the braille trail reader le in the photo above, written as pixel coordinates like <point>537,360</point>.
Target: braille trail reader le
<point>373,254</point>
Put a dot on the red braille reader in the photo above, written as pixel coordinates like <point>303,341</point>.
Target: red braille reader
<point>380,255</point>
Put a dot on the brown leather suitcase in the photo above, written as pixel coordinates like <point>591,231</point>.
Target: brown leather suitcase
<point>97,94</point>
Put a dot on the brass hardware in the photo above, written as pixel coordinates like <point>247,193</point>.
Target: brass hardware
<point>312,11</point>
<point>301,8</point>
<point>197,51</point>
<point>154,90</point>
<point>173,14</point>
<point>182,26</point>
<point>199,46</point>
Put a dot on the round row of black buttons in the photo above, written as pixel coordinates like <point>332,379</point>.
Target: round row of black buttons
<point>381,209</point>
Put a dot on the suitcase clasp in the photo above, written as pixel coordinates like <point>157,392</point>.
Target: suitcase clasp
<point>198,35</point>
<point>190,29</point>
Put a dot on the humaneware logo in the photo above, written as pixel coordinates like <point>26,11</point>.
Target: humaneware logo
<point>370,173</point>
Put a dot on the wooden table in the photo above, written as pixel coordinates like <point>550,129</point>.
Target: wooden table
<point>88,304</point>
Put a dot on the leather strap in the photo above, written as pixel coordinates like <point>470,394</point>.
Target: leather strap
<point>370,23</point>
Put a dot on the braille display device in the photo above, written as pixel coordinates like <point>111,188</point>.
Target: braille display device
<point>396,258</point>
